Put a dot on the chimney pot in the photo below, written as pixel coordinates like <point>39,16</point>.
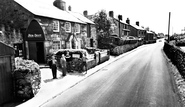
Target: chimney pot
<point>69,8</point>
<point>128,21</point>
<point>137,23</point>
<point>111,14</point>
<point>85,13</point>
<point>60,4</point>
<point>120,17</point>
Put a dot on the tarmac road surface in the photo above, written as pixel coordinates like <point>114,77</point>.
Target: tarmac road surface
<point>140,79</point>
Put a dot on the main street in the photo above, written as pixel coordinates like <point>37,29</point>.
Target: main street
<point>139,79</point>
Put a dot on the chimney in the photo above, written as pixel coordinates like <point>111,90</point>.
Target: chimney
<point>120,17</point>
<point>69,8</point>
<point>128,21</point>
<point>60,4</point>
<point>137,23</point>
<point>85,13</point>
<point>111,14</point>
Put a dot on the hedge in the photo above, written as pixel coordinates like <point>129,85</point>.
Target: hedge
<point>122,49</point>
<point>177,57</point>
<point>27,78</point>
<point>180,43</point>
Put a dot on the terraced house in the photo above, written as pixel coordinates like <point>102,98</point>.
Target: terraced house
<point>136,30</point>
<point>118,27</point>
<point>51,27</point>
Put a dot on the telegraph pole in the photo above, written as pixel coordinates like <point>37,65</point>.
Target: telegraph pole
<point>169,27</point>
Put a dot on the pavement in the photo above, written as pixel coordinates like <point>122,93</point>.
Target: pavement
<point>51,88</point>
<point>140,79</point>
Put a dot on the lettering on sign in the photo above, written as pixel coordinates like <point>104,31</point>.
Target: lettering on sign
<point>34,35</point>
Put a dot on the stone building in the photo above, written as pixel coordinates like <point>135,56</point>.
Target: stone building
<point>49,28</point>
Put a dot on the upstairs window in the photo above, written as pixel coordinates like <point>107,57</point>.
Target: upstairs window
<point>77,28</point>
<point>55,26</point>
<point>68,27</point>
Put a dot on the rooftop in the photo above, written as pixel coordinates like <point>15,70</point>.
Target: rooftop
<point>42,9</point>
<point>81,17</point>
<point>138,27</point>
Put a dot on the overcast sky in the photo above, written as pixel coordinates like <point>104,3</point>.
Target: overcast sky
<point>150,13</point>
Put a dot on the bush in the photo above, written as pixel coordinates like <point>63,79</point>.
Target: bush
<point>180,43</point>
<point>176,56</point>
<point>27,78</point>
<point>122,49</point>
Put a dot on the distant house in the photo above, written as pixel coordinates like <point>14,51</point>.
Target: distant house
<point>88,29</point>
<point>136,31</point>
<point>150,36</point>
<point>121,30</point>
<point>50,28</point>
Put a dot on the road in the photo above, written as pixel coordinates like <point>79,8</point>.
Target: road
<point>140,79</point>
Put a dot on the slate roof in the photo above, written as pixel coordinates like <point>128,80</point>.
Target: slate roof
<point>42,9</point>
<point>138,27</point>
<point>150,32</point>
<point>81,17</point>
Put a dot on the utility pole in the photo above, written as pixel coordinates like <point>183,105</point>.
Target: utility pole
<point>169,27</point>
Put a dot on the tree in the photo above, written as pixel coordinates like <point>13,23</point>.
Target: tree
<point>102,23</point>
<point>12,18</point>
<point>11,15</point>
<point>147,29</point>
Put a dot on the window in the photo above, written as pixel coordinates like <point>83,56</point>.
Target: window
<point>56,45</point>
<point>77,28</point>
<point>55,26</point>
<point>68,27</point>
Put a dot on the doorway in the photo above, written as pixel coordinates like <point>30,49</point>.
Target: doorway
<point>40,52</point>
<point>91,42</point>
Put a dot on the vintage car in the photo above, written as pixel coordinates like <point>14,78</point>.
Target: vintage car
<point>77,59</point>
<point>101,55</point>
<point>81,60</point>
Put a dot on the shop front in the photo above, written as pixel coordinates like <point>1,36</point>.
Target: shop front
<point>35,42</point>
<point>45,36</point>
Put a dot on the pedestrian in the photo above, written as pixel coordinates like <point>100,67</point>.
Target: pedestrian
<point>63,65</point>
<point>68,60</point>
<point>54,67</point>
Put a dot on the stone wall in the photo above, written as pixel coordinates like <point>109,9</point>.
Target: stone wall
<point>10,36</point>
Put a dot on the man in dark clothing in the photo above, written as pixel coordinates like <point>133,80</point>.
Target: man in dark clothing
<point>68,60</point>
<point>53,67</point>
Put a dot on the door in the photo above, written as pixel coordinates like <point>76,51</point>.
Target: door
<point>91,42</point>
<point>32,51</point>
<point>40,52</point>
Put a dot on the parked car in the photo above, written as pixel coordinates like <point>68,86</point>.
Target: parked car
<point>101,55</point>
<point>79,60</point>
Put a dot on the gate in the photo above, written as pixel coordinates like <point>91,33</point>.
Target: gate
<point>6,68</point>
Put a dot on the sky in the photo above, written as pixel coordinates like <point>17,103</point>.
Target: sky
<point>150,13</point>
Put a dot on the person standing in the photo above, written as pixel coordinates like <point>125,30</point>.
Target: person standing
<point>63,65</point>
<point>54,67</point>
<point>68,60</point>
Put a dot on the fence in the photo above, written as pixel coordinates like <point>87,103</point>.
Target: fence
<point>6,68</point>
